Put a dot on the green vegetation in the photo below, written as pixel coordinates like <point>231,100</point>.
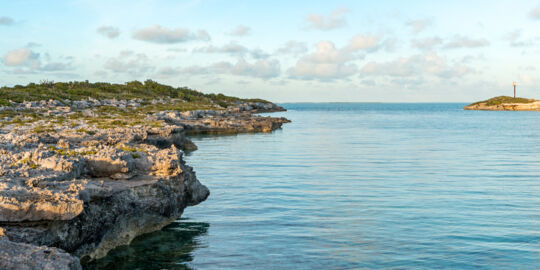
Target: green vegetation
<point>503,99</point>
<point>62,152</point>
<point>105,117</point>
<point>147,90</point>
<point>71,153</point>
<point>43,129</point>
<point>84,130</point>
<point>27,161</point>
<point>130,149</point>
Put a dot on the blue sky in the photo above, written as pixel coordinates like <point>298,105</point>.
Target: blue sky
<point>285,51</point>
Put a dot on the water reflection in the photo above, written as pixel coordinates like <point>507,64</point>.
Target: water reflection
<point>169,248</point>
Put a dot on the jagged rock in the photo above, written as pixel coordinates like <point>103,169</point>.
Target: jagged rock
<point>86,190</point>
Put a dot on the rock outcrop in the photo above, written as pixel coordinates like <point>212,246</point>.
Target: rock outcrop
<point>503,103</point>
<point>88,183</point>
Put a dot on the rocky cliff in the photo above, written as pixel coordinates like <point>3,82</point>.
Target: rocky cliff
<point>84,177</point>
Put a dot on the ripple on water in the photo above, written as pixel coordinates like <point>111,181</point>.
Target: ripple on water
<point>361,186</point>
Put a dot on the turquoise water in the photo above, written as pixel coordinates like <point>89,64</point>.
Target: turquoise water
<point>348,186</point>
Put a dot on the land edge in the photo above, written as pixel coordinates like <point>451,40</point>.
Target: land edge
<point>40,240</point>
<point>505,103</point>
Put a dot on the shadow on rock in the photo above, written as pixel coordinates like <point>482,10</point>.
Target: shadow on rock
<point>169,248</point>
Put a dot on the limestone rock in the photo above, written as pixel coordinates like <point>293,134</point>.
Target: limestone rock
<point>20,256</point>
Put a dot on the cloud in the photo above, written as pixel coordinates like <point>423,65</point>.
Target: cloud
<point>240,31</point>
<point>23,56</point>
<point>6,21</point>
<point>515,40</point>
<point>465,42</point>
<point>261,69</point>
<point>203,35</point>
<point>426,43</point>
<point>364,42</point>
<point>129,62</point>
<point>32,45</point>
<point>418,26</point>
<point>178,50</point>
<point>535,13</point>
<point>28,61</point>
<point>335,19</point>
<point>109,31</point>
<point>292,47</point>
<point>162,35</point>
<point>264,69</point>
<point>232,49</point>
<point>416,65</point>
<point>329,62</point>
<point>326,63</point>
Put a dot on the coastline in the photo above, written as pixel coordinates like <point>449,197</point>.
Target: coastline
<point>81,191</point>
<point>504,103</point>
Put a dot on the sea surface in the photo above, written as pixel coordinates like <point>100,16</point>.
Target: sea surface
<point>360,186</point>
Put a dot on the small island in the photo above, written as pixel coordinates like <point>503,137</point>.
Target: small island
<point>505,103</point>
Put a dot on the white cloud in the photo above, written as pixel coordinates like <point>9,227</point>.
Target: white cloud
<point>535,13</point>
<point>465,42</point>
<point>417,65</point>
<point>109,31</point>
<point>21,57</point>
<point>292,47</point>
<point>261,69</point>
<point>203,35</point>
<point>418,26</point>
<point>426,43</point>
<point>129,62</point>
<point>364,42</point>
<point>329,62</point>
<point>264,69</point>
<point>6,21</point>
<point>335,19</point>
<point>240,30</point>
<point>27,61</point>
<point>162,35</point>
<point>232,49</point>
<point>326,63</point>
<point>515,39</point>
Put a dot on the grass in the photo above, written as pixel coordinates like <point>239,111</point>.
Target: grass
<point>27,161</point>
<point>43,129</point>
<point>130,149</point>
<point>502,100</point>
<point>62,152</point>
<point>84,130</point>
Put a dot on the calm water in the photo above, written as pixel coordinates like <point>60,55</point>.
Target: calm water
<point>348,186</point>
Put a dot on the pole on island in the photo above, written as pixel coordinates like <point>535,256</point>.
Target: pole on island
<point>514,84</point>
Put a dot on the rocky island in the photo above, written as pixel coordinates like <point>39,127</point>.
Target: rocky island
<point>505,103</point>
<point>86,167</point>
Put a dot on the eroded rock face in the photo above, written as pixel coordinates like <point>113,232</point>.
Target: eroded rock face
<point>85,190</point>
<point>87,194</point>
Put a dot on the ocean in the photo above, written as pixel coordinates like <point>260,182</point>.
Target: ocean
<point>360,186</point>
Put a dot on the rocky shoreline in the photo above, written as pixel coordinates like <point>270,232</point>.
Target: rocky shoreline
<point>79,178</point>
<point>503,103</point>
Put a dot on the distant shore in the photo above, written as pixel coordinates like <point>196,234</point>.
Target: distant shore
<point>504,103</point>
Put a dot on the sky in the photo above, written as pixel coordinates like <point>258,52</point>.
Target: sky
<point>283,51</point>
